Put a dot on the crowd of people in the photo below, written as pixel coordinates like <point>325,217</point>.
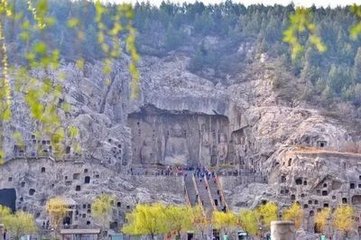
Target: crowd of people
<point>198,171</point>
<point>159,171</point>
<point>201,172</point>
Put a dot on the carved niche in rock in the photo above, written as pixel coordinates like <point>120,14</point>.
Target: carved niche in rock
<point>176,151</point>
<point>240,149</point>
<point>176,137</point>
<point>222,149</point>
<point>336,185</point>
<point>205,148</point>
<point>356,200</point>
<point>146,152</point>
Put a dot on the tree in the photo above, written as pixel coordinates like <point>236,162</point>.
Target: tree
<point>322,219</point>
<point>356,71</point>
<point>199,219</point>
<point>343,219</point>
<point>224,220</point>
<point>294,213</point>
<point>300,22</point>
<point>101,209</point>
<point>248,221</point>
<point>266,213</point>
<point>30,26</point>
<point>146,219</point>
<point>57,209</point>
<point>178,218</point>
<point>4,211</point>
<point>20,224</point>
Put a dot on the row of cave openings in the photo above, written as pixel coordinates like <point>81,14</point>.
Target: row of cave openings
<point>355,200</point>
<point>46,148</point>
<point>76,176</point>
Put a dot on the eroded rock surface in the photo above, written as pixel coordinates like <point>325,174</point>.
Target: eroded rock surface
<point>182,118</point>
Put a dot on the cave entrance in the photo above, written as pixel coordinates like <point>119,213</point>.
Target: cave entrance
<point>321,144</point>
<point>356,200</point>
<point>67,220</point>
<point>8,198</point>
<point>166,138</point>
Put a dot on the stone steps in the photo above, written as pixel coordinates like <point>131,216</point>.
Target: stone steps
<point>203,194</point>
<point>215,193</point>
<point>200,190</point>
<point>191,191</point>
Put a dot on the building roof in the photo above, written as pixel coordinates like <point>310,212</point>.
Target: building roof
<point>80,231</point>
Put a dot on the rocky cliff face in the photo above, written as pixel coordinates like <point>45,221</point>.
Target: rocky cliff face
<point>182,118</point>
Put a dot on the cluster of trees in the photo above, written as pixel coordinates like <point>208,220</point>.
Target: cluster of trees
<point>40,35</point>
<point>342,219</point>
<point>101,209</point>
<point>17,224</point>
<point>172,220</point>
<point>331,75</point>
<point>22,223</point>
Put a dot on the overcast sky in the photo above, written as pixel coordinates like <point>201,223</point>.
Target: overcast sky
<point>325,3</point>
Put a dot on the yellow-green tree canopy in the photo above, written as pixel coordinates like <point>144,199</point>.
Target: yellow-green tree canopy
<point>322,219</point>
<point>57,209</point>
<point>266,213</point>
<point>248,221</point>
<point>199,220</point>
<point>154,219</point>
<point>20,224</point>
<point>294,213</point>
<point>4,211</point>
<point>179,218</point>
<point>343,218</point>
<point>224,220</point>
<point>101,209</point>
<point>146,219</point>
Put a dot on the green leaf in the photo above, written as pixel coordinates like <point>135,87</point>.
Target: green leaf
<point>47,86</point>
<point>58,136</point>
<point>66,107</point>
<point>26,25</point>
<point>40,48</point>
<point>73,131</point>
<point>355,31</point>
<point>80,64</point>
<point>73,22</point>
<point>2,157</point>
<point>24,36</point>
<point>18,137</point>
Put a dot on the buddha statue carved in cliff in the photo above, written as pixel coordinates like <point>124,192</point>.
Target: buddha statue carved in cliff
<point>146,152</point>
<point>176,150</point>
<point>222,149</point>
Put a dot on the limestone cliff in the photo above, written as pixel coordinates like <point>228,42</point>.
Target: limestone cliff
<point>182,118</point>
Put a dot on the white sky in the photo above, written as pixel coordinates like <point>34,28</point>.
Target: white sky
<point>306,3</point>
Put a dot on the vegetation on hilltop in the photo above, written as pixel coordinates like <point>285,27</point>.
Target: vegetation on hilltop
<point>213,35</point>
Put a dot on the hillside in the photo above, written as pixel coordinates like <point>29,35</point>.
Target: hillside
<point>217,89</point>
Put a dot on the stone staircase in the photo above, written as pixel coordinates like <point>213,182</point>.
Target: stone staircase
<point>204,197</point>
<point>190,190</point>
<point>215,193</point>
<point>205,192</point>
